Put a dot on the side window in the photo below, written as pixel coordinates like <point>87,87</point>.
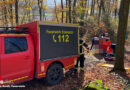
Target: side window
<point>15,44</point>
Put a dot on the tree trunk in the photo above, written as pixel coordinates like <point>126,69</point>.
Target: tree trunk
<point>101,9</point>
<point>91,13</point>
<point>5,15</point>
<point>74,12</point>
<point>62,19</point>
<point>102,6</point>
<point>94,6</point>
<point>23,18</point>
<point>122,27</point>
<point>16,12</point>
<point>66,11</point>
<point>108,7</point>
<point>83,11</point>
<point>115,12</point>
<point>69,11</point>
<point>99,15</point>
<point>56,11</point>
<point>40,5</point>
<point>29,16</point>
<point>44,14</point>
<point>11,15</point>
<point>33,13</point>
<point>86,11</point>
<point>116,5</point>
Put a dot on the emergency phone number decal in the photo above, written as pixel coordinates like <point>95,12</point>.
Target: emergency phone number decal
<point>59,36</point>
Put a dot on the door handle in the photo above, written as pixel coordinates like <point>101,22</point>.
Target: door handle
<point>27,57</point>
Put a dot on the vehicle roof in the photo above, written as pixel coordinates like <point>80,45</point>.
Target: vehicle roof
<point>8,34</point>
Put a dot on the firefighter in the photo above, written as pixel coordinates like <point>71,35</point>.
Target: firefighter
<point>81,58</point>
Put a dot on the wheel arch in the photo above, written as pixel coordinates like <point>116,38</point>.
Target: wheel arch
<point>56,62</point>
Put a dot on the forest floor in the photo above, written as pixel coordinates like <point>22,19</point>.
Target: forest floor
<point>115,81</point>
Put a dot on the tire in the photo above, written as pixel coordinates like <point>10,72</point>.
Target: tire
<point>54,74</point>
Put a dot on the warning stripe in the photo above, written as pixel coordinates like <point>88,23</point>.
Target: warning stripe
<point>69,65</point>
<point>41,74</point>
<point>16,79</point>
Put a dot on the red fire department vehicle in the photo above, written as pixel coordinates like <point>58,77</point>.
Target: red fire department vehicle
<point>106,47</point>
<point>36,50</point>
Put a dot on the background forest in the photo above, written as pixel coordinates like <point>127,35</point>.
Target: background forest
<point>95,16</point>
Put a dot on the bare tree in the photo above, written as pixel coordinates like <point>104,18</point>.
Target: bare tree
<point>40,5</point>
<point>69,11</point>
<point>116,4</point>
<point>66,11</point>
<point>5,14</point>
<point>56,10</point>
<point>11,13</point>
<point>74,11</point>
<point>16,12</point>
<point>122,26</point>
<point>83,4</point>
<point>92,7</point>
<point>101,8</point>
<point>62,19</point>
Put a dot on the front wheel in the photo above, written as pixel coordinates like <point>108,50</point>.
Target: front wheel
<point>54,74</point>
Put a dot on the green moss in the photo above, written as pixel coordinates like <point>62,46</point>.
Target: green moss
<point>97,85</point>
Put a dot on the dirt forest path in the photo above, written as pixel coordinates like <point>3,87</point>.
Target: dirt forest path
<point>92,58</point>
<point>92,72</point>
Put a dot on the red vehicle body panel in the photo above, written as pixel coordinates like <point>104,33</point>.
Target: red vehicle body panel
<point>104,45</point>
<point>15,66</point>
<point>24,66</point>
<point>68,62</point>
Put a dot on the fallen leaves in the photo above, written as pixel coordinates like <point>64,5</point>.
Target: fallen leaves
<point>115,81</point>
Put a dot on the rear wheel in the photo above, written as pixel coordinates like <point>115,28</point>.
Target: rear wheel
<point>54,74</point>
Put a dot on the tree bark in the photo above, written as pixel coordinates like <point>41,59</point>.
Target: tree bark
<point>66,11</point>
<point>122,27</point>
<point>83,11</point>
<point>40,5</point>
<point>62,19</point>
<point>101,9</point>
<point>99,15</point>
<point>16,12</point>
<point>69,11</point>
<point>116,5</point>
<point>86,11</point>
<point>74,12</point>
<point>92,7</point>
<point>33,13</point>
<point>56,11</point>
<point>108,6</point>
<point>11,14</point>
<point>5,15</point>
